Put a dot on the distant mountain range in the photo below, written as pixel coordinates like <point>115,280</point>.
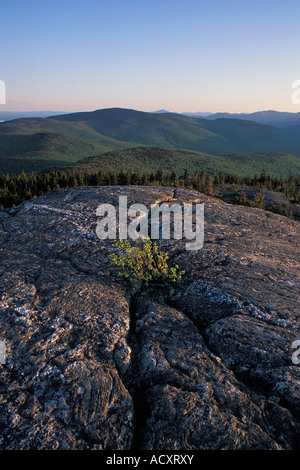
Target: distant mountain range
<point>283,120</point>
<point>36,144</point>
<point>197,114</point>
<point>11,115</point>
<point>218,136</point>
<point>273,118</point>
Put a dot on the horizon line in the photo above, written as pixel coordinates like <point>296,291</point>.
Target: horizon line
<point>162,111</point>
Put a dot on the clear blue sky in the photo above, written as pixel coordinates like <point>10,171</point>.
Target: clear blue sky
<point>180,55</point>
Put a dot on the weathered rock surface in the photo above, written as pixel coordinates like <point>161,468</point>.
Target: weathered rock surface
<point>270,198</point>
<point>91,365</point>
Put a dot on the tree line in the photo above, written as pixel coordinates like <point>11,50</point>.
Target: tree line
<point>15,189</point>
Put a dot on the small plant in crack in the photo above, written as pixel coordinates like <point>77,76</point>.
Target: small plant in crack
<point>143,262</point>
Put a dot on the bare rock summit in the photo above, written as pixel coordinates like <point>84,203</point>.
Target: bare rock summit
<point>92,364</point>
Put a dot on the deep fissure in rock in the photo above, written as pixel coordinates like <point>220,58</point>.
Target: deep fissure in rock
<point>132,379</point>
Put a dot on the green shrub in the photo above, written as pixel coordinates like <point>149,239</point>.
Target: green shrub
<point>143,263</point>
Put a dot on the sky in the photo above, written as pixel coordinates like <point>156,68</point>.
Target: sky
<point>179,55</point>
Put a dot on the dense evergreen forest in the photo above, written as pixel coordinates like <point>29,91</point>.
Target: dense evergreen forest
<point>16,189</point>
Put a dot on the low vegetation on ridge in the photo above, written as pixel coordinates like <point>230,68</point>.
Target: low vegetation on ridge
<point>143,262</point>
<point>14,190</point>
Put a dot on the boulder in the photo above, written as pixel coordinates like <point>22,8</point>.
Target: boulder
<point>91,363</point>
